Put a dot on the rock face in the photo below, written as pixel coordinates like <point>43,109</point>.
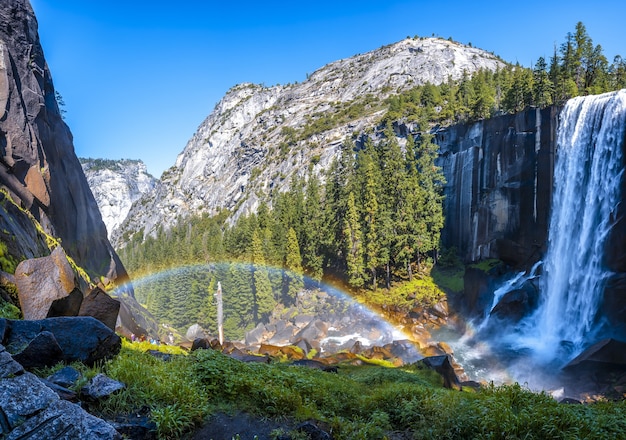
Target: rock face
<point>32,410</point>
<point>257,137</point>
<point>499,185</point>
<point>38,167</point>
<point>116,185</point>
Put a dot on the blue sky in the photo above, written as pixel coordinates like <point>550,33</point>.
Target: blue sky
<point>139,76</point>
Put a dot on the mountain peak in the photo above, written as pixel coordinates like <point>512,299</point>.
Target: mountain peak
<point>257,137</point>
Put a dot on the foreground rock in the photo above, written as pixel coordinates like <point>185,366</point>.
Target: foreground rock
<point>45,342</point>
<point>31,410</point>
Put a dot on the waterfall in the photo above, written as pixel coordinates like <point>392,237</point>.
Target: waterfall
<point>587,179</point>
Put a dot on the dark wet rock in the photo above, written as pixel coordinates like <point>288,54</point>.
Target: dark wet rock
<point>499,175</point>
<point>8,366</point>
<point>63,392</point>
<point>135,426</point>
<point>518,303</point>
<point>605,352</point>
<point>41,351</point>
<point>101,306</point>
<point>570,401</point>
<point>165,357</point>
<point>83,339</point>
<point>100,386</point>
<point>313,431</point>
<point>67,306</point>
<point>316,365</point>
<point>247,357</point>
<point>201,343</point>
<point>66,377</point>
<point>444,366</point>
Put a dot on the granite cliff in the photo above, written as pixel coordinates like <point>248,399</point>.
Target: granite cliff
<point>116,185</point>
<point>499,174</point>
<point>39,170</point>
<point>257,137</point>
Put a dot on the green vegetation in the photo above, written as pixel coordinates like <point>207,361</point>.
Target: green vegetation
<point>576,68</point>
<point>390,228</point>
<point>7,262</point>
<point>367,402</point>
<point>9,311</point>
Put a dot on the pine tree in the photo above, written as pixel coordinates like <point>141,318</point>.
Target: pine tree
<point>543,89</point>
<point>292,277</point>
<point>263,295</point>
<point>354,245</point>
<point>312,229</point>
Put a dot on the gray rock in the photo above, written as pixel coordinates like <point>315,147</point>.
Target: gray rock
<point>195,332</point>
<point>8,366</point>
<point>100,386</point>
<point>66,377</point>
<point>21,397</point>
<point>64,420</point>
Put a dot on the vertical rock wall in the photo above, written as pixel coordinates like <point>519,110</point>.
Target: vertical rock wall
<point>499,185</point>
<point>38,166</point>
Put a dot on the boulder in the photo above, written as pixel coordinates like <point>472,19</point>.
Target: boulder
<point>256,335</point>
<point>66,306</point>
<point>63,392</point>
<point>444,366</point>
<point>83,338</point>
<point>607,352</point>
<point>133,318</point>
<point>201,343</point>
<point>8,366</point>
<point>195,332</point>
<point>32,410</point>
<point>66,377</point>
<point>316,330</point>
<point>312,431</point>
<point>100,386</point>
<point>101,306</point>
<point>63,419</point>
<point>41,351</point>
<point>42,281</point>
<point>518,303</point>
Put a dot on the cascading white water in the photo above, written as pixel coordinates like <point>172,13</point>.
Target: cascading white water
<point>587,178</point>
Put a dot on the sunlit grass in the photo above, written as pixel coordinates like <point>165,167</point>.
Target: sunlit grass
<point>359,402</point>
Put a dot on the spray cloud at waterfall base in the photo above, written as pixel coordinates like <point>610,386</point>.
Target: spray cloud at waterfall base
<point>565,292</point>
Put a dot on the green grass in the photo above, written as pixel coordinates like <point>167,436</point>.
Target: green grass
<point>449,279</point>
<point>366,402</point>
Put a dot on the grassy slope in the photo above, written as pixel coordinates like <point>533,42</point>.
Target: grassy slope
<point>367,402</point>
